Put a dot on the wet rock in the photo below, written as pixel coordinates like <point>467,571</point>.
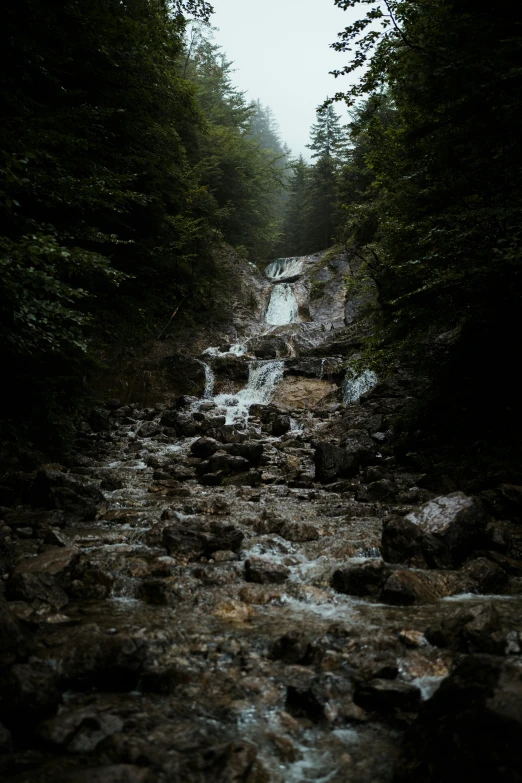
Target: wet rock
<point>204,447</point>
<point>249,450</point>
<point>156,591</point>
<point>53,489</point>
<point>99,420</point>
<point>385,695</point>
<point>293,647</point>
<point>268,347</point>
<point>213,479</point>
<point>92,658</point>
<point>149,429</point>
<point>6,740</point>
<point>362,579</point>
<point>29,694</point>
<point>231,373</point>
<point>111,483</point>
<point>110,773</point>
<point>265,571</point>
<point>230,763</point>
<point>200,537</point>
<point>185,374</point>
<point>384,489</point>
<point>474,629</point>
<point>486,577</point>
<point>13,639</point>
<point>504,502</point>
<point>298,532</point>
<point>280,426</point>
<point>80,730</point>
<point>227,463</point>
<point>404,588</point>
<point>91,579</point>
<point>471,728</point>
<point>333,462</point>
<point>326,697</point>
<point>456,520</point>
<point>404,542</point>
<point>413,639</point>
<point>234,611</point>
<point>43,578</point>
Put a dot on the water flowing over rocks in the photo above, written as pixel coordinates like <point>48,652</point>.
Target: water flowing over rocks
<point>242,581</point>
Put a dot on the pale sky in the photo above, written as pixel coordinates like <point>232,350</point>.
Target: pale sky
<point>280,50</point>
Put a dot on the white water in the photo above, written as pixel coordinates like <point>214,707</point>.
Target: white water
<point>282,308</point>
<point>209,381</point>
<point>283,268</point>
<point>356,385</point>
<point>263,378</point>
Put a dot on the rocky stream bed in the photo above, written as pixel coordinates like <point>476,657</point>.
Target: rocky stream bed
<point>247,586</point>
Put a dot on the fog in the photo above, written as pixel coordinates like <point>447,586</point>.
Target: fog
<point>280,50</point>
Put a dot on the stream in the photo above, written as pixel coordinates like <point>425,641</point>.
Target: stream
<point>204,636</point>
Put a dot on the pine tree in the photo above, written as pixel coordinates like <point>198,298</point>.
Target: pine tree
<point>326,136</point>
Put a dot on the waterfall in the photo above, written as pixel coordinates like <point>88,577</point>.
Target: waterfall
<point>209,380</point>
<point>282,308</point>
<point>284,268</point>
<point>355,386</point>
<point>263,378</point>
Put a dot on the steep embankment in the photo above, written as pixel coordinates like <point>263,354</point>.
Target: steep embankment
<point>244,584</point>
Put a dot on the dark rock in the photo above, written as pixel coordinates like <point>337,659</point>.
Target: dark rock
<point>265,572</point>
<point>181,423</point>
<point>149,429</point>
<point>13,640</point>
<point>387,695</point>
<point>474,629</point>
<point>200,537</point>
<point>249,450</point>
<point>231,763</point>
<point>298,532</point>
<point>185,374</point>
<point>204,447</point>
<point>79,730</point>
<point>293,647</point>
<point>99,420</point>
<point>456,520</point>
<point>92,658</point>
<point>111,483</point>
<point>326,697</point>
<point>405,542</point>
<point>227,463</point>
<point>487,577</point>
<point>504,502</point>
<point>6,740</point>
<point>54,489</point>
<point>384,489</point>
<point>332,462</point>
<point>404,588</point>
<point>268,347</point>
<point>110,773</point>
<point>7,496</point>
<point>212,479</point>
<point>43,578</point>
<point>361,578</point>
<point>156,591</point>
<point>280,426</point>
<point>55,538</point>
<point>92,580</point>
<point>29,694</point>
<point>471,728</point>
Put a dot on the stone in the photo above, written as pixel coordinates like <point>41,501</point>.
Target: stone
<point>412,639</point>
<point>110,773</point>
<point>149,429</point>
<point>265,571</point>
<point>185,375</point>
<point>6,740</point>
<point>384,489</point>
<point>385,695</point>
<point>204,447</point>
<point>470,729</point>
<point>474,629</point>
<point>487,577</point>
<point>362,579</point>
<point>43,578</point>
<point>249,450</point>
<point>29,694</point>
<point>280,426</point>
<point>80,730</point>
<point>157,591</point>
<point>13,638</point>
<point>404,588</point>
<point>199,537</point>
<point>404,542</point>
<point>53,489</point>
<point>292,647</point>
<point>332,462</point>
<point>91,658</point>
<point>456,520</point>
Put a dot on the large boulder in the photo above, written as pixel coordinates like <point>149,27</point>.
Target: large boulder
<point>332,462</point>
<point>362,579</point>
<point>43,579</point>
<point>473,629</point>
<point>53,489</point>
<point>442,533</point>
<point>404,587</point>
<point>471,729</point>
<point>185,375</point>
<point>200,537</point>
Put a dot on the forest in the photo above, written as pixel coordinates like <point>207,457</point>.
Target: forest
<point>260,440</point>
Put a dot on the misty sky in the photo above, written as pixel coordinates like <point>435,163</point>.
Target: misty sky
<point>280,50</point>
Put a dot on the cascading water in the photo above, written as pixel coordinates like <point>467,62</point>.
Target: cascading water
<point>209,380</point>
<point>284,268</point>
<point>282,308</point>
<point>262,381</point>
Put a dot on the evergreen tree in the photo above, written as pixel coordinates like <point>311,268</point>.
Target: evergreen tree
<point>294,239</point>
<point>326,136</point>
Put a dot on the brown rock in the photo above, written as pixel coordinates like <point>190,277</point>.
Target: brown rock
<point>404,588</point>
<point>265,572</point>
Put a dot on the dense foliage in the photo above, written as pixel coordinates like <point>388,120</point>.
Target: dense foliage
<point>432,195</point>
<point>127,159</point>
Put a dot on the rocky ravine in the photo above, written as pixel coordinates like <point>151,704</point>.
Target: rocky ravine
<point>246,586</point>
